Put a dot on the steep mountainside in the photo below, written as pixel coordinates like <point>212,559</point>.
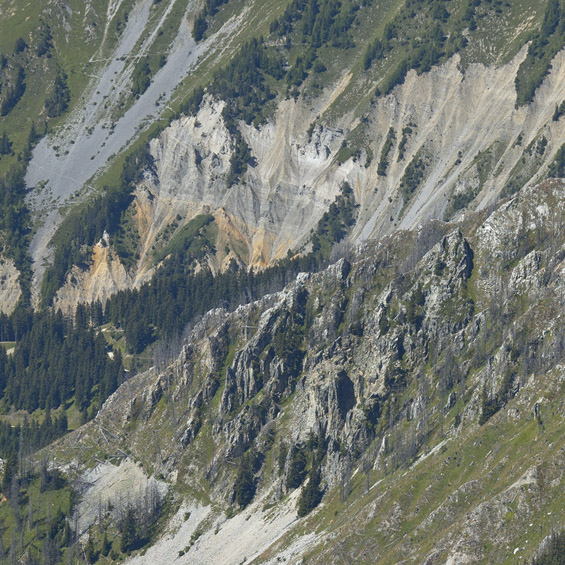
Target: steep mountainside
<point>393,377</point>
<point>281,281</point>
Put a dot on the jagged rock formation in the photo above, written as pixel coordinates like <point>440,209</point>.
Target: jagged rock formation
<point>428,345</point>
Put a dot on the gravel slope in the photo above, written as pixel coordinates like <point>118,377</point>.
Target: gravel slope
<point>63,164</point>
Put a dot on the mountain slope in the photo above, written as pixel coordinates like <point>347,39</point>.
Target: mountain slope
<point>405,365</point>
<point>283,281</point>
<point>293,179</point>
<point>347,90</point>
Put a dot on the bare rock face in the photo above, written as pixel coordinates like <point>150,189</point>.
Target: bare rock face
<point>9,286</point>
<point>296,173</point>
<point>283,195</point>
<point>105,276</point>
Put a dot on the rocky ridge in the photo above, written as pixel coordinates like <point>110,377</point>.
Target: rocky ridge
<point>429,346</point>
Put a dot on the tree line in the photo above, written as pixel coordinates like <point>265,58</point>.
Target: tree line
<point>543,47</point>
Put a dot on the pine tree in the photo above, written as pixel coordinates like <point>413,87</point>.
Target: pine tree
<point>5,144</point>
<point>244,487</point>
<point>106,545</point>
<point>90,551</point>
<point>58,101</point>
<point>140,79</point>
<point>551,18</point>
<point>129,532</point>
<point>10,473</point>
<point>297,468</point>
<point>311,494</point>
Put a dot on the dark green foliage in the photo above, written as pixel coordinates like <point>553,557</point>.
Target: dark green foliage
<point>553,552</point>
<point>191,240</point>
<point>56,361</point>
<point>421,29</point>
<point>200,27</point>
<point>311,495</point>
<point>31,437</point>
<point>5,144</point>
<point>10,471</point>
<point>44,41</point>
<point>239,160</point>
<point>543,47</point>
<point>559,111</point>
<point>490,405</point>
<point>439,12</point>
<point>141,78</point>
<point>375,51</point>
<point>14,221</point>
<point>406,132</point>
<point>242,83</point>
<point>344,153</point>
<point>383,162</point>
<point>90,552</point>
<point>336,222</point>
<point>175,296</point>
<point>191,105</point>
<point>413,176</point>
<point>130,538</point>
<point>551,19</point>
<point>557,166</point>
<point>319,67</point>
<point>314,24</point>
<point>50,479</point>
<point>138,335</point>
<point>139,522</point>
<point>106,545</point>
<point>58,100</point>
<point>44,519</point>
<point>20,46</point>
<point>288,345</point>
<point>87,225</point>
<point>297,467</point>
<point>244,486</point>
<point>209,10</point>
<point>13,90</point>
<point>297,73</point>
<point>395,378</point>
<point>429,53</point>
<point>460,200</point>
<point>414,309</point>
<point>396,77</point>
<point>283,452</point>
<point>318,22</point>
<point>426,53</point>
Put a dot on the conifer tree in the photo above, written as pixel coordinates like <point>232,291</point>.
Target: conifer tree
<point>129,532</point>
<point>5,144</point>
<point>311,494</point>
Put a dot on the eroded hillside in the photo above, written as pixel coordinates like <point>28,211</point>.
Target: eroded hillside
<point>459,143</point>
<point>419,128</point>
